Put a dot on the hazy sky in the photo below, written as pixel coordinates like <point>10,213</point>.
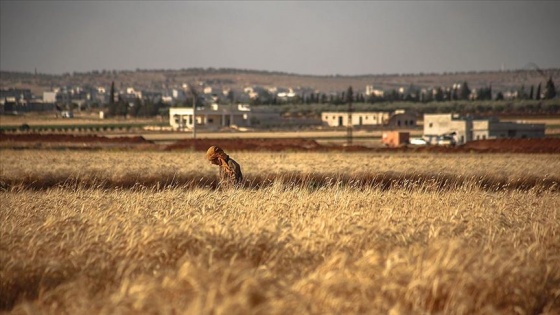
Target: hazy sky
<point>304,37</point>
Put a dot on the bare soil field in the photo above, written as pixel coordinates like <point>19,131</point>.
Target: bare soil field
<point>546,145</point>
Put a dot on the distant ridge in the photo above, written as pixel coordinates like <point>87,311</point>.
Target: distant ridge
<point>199,70</point>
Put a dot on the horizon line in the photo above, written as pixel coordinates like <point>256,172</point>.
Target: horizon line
<point>217,69</point>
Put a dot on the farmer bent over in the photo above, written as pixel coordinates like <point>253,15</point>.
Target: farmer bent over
<point>230,171</point>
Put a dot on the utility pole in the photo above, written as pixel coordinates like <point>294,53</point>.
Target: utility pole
<point>349,126</point>
<point>195,96</point>
<point>349,96</point>
<point>194,113</point>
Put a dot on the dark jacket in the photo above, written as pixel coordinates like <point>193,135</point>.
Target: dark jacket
<point>234,178</point>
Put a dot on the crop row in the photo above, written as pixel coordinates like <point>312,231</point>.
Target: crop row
<point>382,181</point>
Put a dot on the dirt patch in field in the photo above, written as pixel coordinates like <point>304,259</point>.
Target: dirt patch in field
<point>546,145</point>
<point>483,146</point>
<point>295,144</point>
<point>515,145</point>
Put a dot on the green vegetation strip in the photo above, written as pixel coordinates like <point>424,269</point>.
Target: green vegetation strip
<point>96,127</point>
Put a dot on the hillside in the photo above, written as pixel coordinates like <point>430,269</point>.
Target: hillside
<point>238,79</point>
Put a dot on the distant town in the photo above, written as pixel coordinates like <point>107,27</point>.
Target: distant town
<point>458,107</point>
<point>132,90</point>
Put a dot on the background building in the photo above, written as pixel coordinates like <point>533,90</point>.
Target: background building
<point>397,119</point>
<point>493,128</point>
<point>467,128</point>
<point>339,119</point>
<point>402,119</point>
<point>210,117</point>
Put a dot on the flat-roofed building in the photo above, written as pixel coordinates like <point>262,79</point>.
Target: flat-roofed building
<point>339,119</point>
<point>494,129</point>
<point>210,117</point>
<point>468,128</point>
<point>436,125</point>
<point>397,119</point>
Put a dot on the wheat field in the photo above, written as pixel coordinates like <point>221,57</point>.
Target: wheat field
<point>121,232</point>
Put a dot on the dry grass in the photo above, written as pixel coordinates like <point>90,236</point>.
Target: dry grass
<point>285,248</point>
<point>102,169</point>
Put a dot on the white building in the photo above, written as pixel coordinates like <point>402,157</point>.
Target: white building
<point>465,129</point>
<point>339,119</point>
<point>49,97</point>
<point>210,117</point>
<point>403,119</point>
<point>178,94</point>
<point>370,91</point>
<point>131,91</point>
<point>399,119</point>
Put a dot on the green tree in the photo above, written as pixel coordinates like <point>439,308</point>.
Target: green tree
<point>349,95</point>
<point>484,93</point>
<point>158,108</point>
<point>231,97</point>
<point>454,94</point>
<point>112,108</point>
<point>135,109</point>
<point>121,108</point>
<point>426,96</point>
<point>324,98</point>
<point>464,92</point>
<point>549,90</point>
<point>521,94</point>
<point>146,109</point>
<point>439,95</point>
<point>112,93</point>
<point>538,94</point>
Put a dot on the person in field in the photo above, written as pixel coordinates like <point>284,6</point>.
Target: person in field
<point>230,171</point>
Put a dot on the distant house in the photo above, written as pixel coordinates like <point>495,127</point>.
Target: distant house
<point>51,97</point>
<point>133,93</point>
<point>402,119</point>
<point>493,128</point>
<point>370,91</point>
<point>254,92</point>
<point>152,96</point>
<point>208,90</point>
<point>397,119</point>
<point>340,119</point>
<point>178,94</point>
<point>210,117</point>
<point>466,128</point>
<point>20,96</point>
